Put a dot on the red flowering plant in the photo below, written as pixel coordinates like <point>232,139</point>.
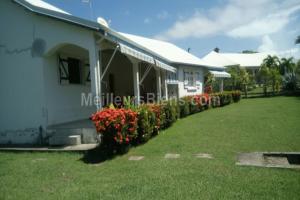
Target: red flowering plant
<point>116,126</point>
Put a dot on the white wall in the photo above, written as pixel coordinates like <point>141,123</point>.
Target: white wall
<point>24,79</point>
<point>182,89</point>
<point>63,100</point>
<point>21,76</point>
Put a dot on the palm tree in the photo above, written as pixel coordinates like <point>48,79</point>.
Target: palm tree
<point>264,73</point>
<point>270,72</point>
<point>287,65</point>
<point>297,41</point>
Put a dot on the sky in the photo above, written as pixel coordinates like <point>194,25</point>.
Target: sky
<point>201,25</point>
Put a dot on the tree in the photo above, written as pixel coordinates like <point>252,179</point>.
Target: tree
<point>291,74</point>
<point>249,51</point>
<point>297,41</point>
<point>269,72</point>
<point>209,80</point>
<point>264,73</point>
<point>234,79</point>
<point>245,80</point>
<point>275,78</point>
<point>287,65</point>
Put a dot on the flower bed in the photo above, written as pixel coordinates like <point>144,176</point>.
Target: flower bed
<point>121,127</point>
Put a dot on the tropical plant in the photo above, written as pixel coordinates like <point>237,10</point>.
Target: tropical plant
<point>291,76</point>
<point>116,126</point>
<point>234,79</point>
<point>146,123</point>
<point>245,80</point>
<point>276,79</point>
<point>269,72</point>
<point>209,80</point>
<point>286,65</point>
<point>264,74</point>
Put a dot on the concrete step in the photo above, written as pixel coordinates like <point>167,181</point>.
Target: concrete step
<point>60,136</point>
<point>65,140</point>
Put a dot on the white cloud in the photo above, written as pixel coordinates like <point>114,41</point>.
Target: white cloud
<point>147,20</point>
<point>163,15</point>
<point>269,46</point>
<point>270,24</point>
<point>239,18</point>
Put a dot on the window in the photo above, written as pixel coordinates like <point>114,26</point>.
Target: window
<point>74,71</point>
<point>189,79</point>
<point>172,77</point>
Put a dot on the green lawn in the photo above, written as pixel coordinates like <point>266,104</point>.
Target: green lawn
<point>264,124</point>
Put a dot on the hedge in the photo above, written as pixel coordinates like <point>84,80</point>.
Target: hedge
<point>120,128</point>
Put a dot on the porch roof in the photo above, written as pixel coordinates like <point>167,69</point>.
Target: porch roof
<point>220,74</point>
<point>165,50</point>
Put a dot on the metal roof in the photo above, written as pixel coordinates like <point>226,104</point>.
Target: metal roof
<point>43,8</point>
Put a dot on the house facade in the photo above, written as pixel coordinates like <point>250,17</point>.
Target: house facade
<point>54,64</point>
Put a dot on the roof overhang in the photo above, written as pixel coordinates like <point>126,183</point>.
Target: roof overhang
<point>61,16</point>
<point>134,50</point>
<point>220,74</point>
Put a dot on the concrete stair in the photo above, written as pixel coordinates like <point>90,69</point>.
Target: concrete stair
<point>72,136</point>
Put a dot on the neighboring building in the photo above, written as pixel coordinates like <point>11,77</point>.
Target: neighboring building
<point>250,61</point>
<point>49,58</point>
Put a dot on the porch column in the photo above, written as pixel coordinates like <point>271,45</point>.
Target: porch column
<point>136,81</point>
<point>95,74</point>
<point>158,84</point>
<point>165,85</point>
<point>221,85</point>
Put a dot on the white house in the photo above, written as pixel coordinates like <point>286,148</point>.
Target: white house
<point>51,60</point>
<point>249,61</point>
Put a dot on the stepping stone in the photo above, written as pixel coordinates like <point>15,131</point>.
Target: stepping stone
<point>172,156</point>
<point>204,155</point>
<point>39,159</point>
<point>137,158</point>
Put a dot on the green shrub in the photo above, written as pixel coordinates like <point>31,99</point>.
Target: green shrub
<point>236,96</point>
<point>170,112</point>
<point>146,123</point>
<point>214,100</point>
<point>225,98</point>
<point>184,107</point>
<point>194,106</point>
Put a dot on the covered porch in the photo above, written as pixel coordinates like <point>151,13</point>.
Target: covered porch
<point>219,77</point>
<point>101,75</point>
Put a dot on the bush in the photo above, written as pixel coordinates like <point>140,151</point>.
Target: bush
<point>146,123</point>
<point>214,100</point>
<point>195,104</point>
<point>170,110</point>
<point>117,127</point>
<point>225,98</point>
<point>121,127</point>
<point>159,116</point>
<point>236,96</point>
<point>184,107</point>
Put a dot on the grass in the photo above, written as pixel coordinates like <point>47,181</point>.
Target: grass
<point>264,124</point>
